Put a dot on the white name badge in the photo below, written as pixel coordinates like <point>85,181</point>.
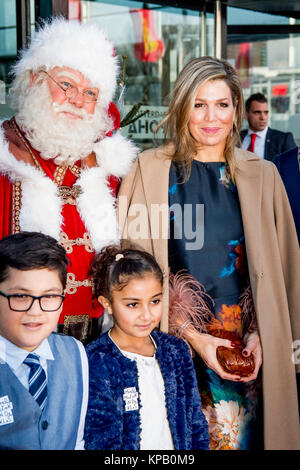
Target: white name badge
<point>6,414</point>
<point>130,397</point>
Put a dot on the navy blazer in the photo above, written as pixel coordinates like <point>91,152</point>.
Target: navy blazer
<point>109,426</point>
<point>288,166</point>
<point>276,142</point>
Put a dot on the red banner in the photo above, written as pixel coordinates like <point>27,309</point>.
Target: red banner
<point>74,10</point>
<point>242,64</point>
<point>148,47</point>
<point>280,90</point>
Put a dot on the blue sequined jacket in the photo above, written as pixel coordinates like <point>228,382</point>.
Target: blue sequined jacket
<point>109,427</point>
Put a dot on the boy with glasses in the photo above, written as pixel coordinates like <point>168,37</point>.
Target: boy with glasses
<point>43,375</point>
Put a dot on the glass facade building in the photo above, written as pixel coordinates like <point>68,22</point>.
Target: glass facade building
<point>155,40</point>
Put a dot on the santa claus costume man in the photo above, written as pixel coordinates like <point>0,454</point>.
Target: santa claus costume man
<point>61,156</point>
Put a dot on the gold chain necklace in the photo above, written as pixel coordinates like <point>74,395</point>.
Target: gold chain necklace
<point>13,125</point>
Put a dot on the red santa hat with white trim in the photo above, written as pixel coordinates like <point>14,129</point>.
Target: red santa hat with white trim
<point>80,46</point>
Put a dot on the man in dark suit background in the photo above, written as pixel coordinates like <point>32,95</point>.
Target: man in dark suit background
<point>259,138</point>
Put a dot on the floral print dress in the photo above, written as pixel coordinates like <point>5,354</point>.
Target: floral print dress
<point>207,240</point>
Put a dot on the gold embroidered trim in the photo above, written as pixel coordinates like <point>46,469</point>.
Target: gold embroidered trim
<point>69,319</point>
<point>16,205</point>
<point>72,284</point>
<point>68,195</point>
<point>75,169</point>
<point>59,175</point>
<point>68,243</point>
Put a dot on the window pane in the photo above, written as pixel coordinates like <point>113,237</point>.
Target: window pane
<point>8,48</point>
<point>240,16</point>
<point>271,65</point>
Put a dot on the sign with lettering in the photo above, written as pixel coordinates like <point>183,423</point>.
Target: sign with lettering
<point>144,127</point>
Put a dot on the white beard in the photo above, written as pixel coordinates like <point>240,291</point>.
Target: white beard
<point>56,136</point>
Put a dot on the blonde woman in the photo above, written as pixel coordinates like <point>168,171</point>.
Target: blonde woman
<point>229,224</point>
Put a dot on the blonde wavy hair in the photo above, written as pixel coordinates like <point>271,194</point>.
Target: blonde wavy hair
<point>175,123</point>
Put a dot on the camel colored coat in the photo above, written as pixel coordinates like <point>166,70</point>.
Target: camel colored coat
<point>273,261</point>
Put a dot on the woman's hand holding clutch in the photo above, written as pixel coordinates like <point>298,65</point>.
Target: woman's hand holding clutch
<point>206,346</point>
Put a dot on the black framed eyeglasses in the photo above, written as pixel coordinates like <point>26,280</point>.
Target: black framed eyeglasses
<point>90,95</point>
<point>24,302</point>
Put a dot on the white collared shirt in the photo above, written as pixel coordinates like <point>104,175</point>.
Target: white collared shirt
<point>259,146</point>
<point>14,357</point>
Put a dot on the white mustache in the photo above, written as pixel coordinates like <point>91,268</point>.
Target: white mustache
<point>80,112</point>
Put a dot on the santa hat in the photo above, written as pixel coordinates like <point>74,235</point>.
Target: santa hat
<point>80,46</point>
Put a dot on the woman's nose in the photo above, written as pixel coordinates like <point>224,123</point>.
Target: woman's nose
<point>210,113</point>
